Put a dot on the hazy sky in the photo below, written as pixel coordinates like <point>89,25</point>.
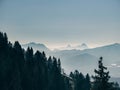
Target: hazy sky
<point>61,22</point>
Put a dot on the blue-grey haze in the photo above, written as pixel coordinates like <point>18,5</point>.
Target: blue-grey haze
<point>60,22</point>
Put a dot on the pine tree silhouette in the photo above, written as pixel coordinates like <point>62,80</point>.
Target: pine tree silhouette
<point>101,78</point>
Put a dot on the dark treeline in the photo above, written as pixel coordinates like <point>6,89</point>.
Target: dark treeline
<point>26,70</point>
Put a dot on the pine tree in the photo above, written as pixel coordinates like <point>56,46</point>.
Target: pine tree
<point>87,82</point>
<point>59,65</point>
<point>101,79</point>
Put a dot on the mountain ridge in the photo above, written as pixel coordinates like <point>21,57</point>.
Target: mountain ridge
<point>86,59</point>
<point>36,46</point>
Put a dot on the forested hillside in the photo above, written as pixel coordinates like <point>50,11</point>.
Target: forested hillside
<point>29,70</point>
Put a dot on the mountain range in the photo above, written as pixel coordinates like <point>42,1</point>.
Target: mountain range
<point>78,47</point>
<point>85,60</point>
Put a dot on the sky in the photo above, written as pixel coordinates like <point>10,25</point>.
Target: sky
<point>57,23</point>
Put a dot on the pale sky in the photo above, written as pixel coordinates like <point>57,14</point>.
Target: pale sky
<point>57,23</point>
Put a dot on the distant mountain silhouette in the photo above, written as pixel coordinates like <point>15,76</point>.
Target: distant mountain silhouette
<point>85,59</point>
<point>36,46</point>
<point>77,47</point>
<point>82,46</point>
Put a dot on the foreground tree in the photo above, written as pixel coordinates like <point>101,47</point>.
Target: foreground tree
<point>101,79</point>
<point>87,82</point>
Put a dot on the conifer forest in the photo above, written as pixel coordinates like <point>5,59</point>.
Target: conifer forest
<point>28,70</point>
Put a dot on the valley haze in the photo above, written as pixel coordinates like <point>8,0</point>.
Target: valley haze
<point>84,60</point>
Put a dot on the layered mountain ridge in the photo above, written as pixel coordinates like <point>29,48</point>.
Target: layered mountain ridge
<point>85,60</point>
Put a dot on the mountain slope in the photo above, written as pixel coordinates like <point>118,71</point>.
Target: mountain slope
<point>86,59</point>
<point>110,53</point>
